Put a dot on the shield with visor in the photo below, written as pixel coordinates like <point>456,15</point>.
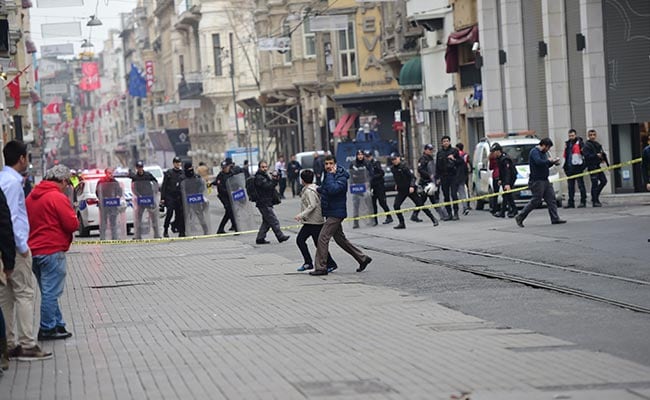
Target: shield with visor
<point>360,198</point>
<point>242,209</point>
<point>145,209</point>
<point>112,211</point>
<point>196,207</point>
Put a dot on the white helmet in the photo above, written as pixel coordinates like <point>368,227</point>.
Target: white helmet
<point>430,189</point>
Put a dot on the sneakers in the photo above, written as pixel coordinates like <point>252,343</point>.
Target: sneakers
<point>466,211</point>
<point>520,221</point>
<point>364,264</point>
<point>53,334</point>
<point>305,267</point>
<point>33,354</point>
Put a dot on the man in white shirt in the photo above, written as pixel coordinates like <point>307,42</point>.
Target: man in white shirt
<point>17,290</point>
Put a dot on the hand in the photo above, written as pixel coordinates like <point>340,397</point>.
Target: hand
<point>451,157</point>
<point>25,254</point>
<point>297,218</point>
<point>507,187</point>
<point>647,186</point>
<point>411,189</point>
<point>556,161</point>
<point>8,273</point>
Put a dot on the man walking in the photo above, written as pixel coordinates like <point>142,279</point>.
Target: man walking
<point>377,187</point>
<point>170,197</point>
<point>53,222</point>
<point>17,289</point>
<point>574,163</point>
<point>405,183</point>
<point>7,264</point>
<point>538,183</point>
<point>333,192</point>
<point>360,174</point>
<point>266,198</point>
<point>594,156</point>
<point>427,170</point>
<point>447,163</point>
<point>224,196</point>
<point>293,173</point>
<point>281,170</point>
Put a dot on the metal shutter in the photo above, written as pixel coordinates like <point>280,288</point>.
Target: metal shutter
<point>576,78</point>
<point>535,70</point>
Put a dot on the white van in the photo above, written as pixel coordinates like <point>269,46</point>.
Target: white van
<point>306,158</point>
<point>518,146</point>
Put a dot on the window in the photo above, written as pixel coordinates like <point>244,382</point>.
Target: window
<point>218,54</point>
<point>347,51</point>
<point>286,32</point>
<point>309,39</point>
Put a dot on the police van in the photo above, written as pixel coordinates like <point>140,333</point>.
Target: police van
<point>518,146</point>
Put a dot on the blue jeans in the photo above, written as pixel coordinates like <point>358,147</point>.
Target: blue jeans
<point>50,273</point>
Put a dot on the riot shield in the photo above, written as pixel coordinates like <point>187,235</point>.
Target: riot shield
<point>360,198</point>
<point>145,209</point>
<point>242,209</point>
<point>112,211</point>
<point>196,207</point>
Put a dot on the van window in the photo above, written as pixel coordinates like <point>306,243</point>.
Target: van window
<point>307,162</point>
<point>519,153</point>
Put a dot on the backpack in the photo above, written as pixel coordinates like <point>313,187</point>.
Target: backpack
<point>251,190</point>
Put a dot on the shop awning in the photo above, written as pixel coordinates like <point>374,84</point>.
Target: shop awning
<point>344,124</point>
<point>410,76</point>
<point>469,34</point>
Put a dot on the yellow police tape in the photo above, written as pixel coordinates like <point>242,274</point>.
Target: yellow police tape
<point>382,214</point>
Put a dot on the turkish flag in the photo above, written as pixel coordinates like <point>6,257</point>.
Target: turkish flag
<point>90,76</point>
<point>52,108</point>
<point>14,90</point>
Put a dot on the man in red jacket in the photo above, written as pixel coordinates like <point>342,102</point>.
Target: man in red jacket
<point>52,221</point>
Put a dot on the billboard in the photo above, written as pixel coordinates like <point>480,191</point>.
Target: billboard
<point>54,50</point>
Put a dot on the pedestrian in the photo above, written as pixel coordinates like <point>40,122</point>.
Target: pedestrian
<point>447,163</point>
<point>53,222</point>
<point>144,186</point>
<point>281,169</point>
<point>377,187</point>
<point>494,199</point>
<point>539,184</point>
<point>224,196</point>
<point>360,173</point>
<point>506,180</point>
<point>170,197</point>
<point>594,156</point>
<point>311,217</point>
<point>645,165</point>
<point>7,264</point>
<point>319,168</point>
<point>333,193</point>
<point>203,171</point>
<point>293,173</point>
<point>17,289</point>
<point>406,187</point>
<point>574,163</point>
<point>267,197</point>
<point>427,169</point>
<point>108,188</point>
<point>462,177</point>
<point>247,170</point>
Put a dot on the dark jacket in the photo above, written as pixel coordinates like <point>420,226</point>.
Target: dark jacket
<point>293,169</point>
<point>220,183</point>
<point>507,170</point>
<point>265,187</point>
<point>645,164</point>
<point>539,165</point>
<point>108,188</point>
<point>143,190</point>
<point>377,174</point>
<point>7,243</point>
<point>571,148</point>
<point>171,187</point>
<point>333,192</point>
<point>446,168</point>
<point>319,167</point>
<point>426,169</point>
<point>404,178</point>
<point>592,151</point>
<point>360,171</point>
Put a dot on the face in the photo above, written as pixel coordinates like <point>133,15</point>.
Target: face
<point>428,151</point>
<point>177,164</point>
<point>139,170</point>
<point>395,161</point>
<point>446,143</point>
<point>545,148</point>
<point>359,156</point>
<point>264,167</point>
<point>592,135</point>
<point>572,136</point>
<point>330,165</point>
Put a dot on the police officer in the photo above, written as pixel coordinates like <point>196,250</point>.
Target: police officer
<point>507,179</point>
<point>224,196</point>
<point>170,197</point>
<point>358,170</point>
<point>265,186</point>
<point>144,190</point>
<point>193,184</point>
<point>447,163</point>
<point>108,187</point>
<point>377,186</point>
<point>426,170</point>
<point>405,184</point>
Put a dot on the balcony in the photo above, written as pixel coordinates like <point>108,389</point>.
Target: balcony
<point>469,75</point>
<point>189,90</point>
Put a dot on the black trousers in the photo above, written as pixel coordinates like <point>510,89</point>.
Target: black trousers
<point>417,200</point>
<point>293,182</point>
<point>283,187</point>
<point>379,195</point>
<point>269,221</point>
<point>175,206</point>
<point>598,182</point>
<point>449,187</point>
<point>572,189</point>
<point>228,216</point>
<point>542,190</point>
<point>307,231</point>
<point>508,203</point>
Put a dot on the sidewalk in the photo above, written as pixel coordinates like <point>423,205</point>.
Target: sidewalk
<point>220,319</point>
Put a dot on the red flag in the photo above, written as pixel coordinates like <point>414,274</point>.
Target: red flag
<point>92,116</point>
<point>52,108</point>
<point>90,76</point>
<point>14,90</point>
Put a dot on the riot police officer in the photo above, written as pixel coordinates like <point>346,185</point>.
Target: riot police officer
<point>144,184</point>
<point>377,186</point>
<point>405,183</point>
<point>224,196</point>
<point>170,197</point>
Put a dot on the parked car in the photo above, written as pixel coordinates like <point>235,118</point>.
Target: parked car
<point>517,146</point>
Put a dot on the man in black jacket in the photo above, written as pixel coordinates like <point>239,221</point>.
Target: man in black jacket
<point>266,198</point>
<point>170,197</point>
<point>377,186</point>
<point>293,172</point>
<point>405,185</point>
<point>319,168</point>
<point>224,196</point>
<point>427,170</point>
<point>594,156</point>
<point>574,164</point>
<point>507,179</point>
<point>447,163</point>
<point>144,183</point>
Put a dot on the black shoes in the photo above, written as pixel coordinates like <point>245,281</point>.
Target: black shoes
<point>597,204</point>
<point>389,220</point>
<point>53,334</point>
<point>318,272</point>
<point>415,218</point>
<point>355,225</point>
<point>166,233</point>
<point>558,221</point>
<point>400,226</point>
<point>263,241</point>
<point>221,232</point>
<point>520,221</point>
<point>499,215</point>
<point>455,217</point>
<point>284,238</point>
<point>364,264</point>
<point>570,205</point>
<point>582,205</point>
<point>435,221</point>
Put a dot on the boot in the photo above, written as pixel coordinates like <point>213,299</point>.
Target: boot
<point>355,225</point>
<point>4,355</point>
<point>434,220</point>
<point>582,204</point>
<point>455,218</point>
<point>166,233</point>
<point>389,220</point>
<point>401,224</point>
<point>414,216</point>
<point>375,222</point>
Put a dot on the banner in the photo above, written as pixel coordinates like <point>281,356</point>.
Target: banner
<point>281,44</point>
<point>61,29</point>
<point>137,83</point>
<point>14,90</point>
<point>54,50</point>
<point>90,77</point>
<point>148,71</point>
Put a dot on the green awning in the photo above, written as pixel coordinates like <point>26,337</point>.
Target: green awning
<point>410,76</point>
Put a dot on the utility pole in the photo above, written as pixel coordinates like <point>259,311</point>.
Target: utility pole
<point>232,83</point>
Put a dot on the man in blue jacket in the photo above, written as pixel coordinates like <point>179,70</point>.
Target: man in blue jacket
<point>538,183</point>
<point>333,191</point>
